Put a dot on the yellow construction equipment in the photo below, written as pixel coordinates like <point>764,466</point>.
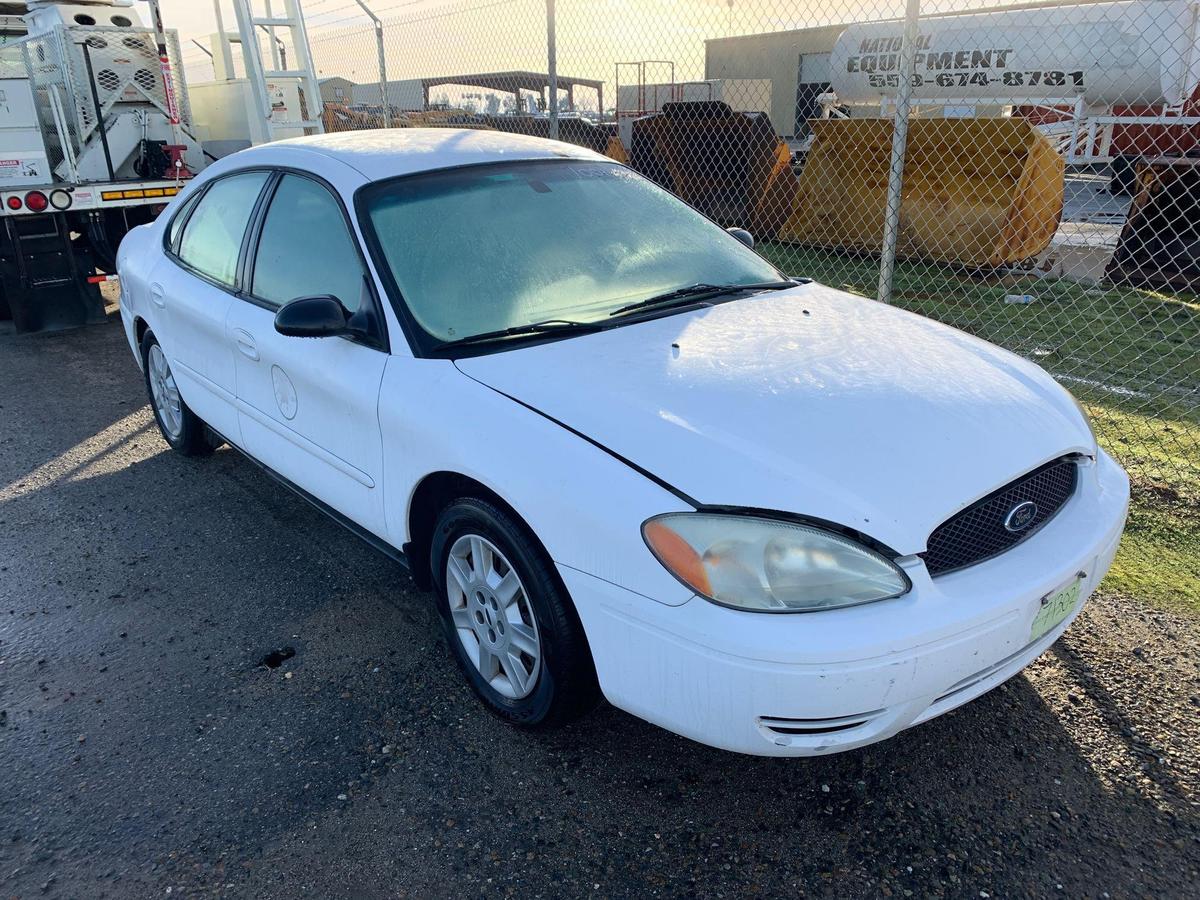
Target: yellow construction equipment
<point>977,192</point>
<point>339,117</point>
<point>730,165</point>
<point>571,129</point>
<point>616,150</point>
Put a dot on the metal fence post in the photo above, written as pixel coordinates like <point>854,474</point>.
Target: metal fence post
<point>891,219</point>
<point>552,67</point>
<point>383,91</point>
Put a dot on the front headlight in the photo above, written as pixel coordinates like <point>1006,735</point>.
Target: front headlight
<point>770,565</point>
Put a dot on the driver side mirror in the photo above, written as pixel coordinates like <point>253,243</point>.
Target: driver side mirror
<point>313,317</point>
<point>742,235</point>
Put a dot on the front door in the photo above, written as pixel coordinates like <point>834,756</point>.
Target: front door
<point>308,407</point>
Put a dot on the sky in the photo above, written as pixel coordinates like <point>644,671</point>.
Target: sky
<point>445,37</point>
<point>439,37</point>
<point>195,18</point>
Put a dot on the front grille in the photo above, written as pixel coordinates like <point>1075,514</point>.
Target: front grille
<point>979,532</point>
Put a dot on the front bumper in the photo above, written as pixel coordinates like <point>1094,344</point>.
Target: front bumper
<point>818,683</point>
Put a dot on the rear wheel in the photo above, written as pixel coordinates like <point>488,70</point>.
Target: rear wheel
<point>509,622</point>
<point>180,427</point>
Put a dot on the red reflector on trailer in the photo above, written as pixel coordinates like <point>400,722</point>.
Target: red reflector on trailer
<point>35,201</point>
<point>14,202</point>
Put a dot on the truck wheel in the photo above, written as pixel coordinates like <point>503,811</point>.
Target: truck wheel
<point>180,427</point>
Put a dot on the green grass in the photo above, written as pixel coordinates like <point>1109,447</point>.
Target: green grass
<point>1159,558</point>
<point>1131,356</point>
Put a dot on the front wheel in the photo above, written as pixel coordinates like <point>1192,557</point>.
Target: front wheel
<point>510,625</point>
<point>180,427</point>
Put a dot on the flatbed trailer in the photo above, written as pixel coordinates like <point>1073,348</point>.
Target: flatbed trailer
<point>57,241</point>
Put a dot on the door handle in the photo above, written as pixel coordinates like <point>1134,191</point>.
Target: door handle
<point>245,343</point>
<point>156,296</point>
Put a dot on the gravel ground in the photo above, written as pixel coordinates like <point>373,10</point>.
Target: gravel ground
<point>146,750</point>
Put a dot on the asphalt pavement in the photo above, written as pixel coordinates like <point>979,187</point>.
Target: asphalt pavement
<point>209,689</point>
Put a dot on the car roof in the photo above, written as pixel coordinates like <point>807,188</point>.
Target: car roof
<point>388,152</point>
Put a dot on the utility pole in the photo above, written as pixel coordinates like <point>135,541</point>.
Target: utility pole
<point>383,91</point>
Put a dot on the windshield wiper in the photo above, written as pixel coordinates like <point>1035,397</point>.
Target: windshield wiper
<point>546,326</point>
<point>700,291</point>
<point>569,326</point>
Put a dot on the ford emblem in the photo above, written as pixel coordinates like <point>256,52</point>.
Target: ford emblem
<point>1021,516</point>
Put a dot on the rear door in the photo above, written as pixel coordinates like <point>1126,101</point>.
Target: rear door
<point>191,289</point>
<point>309,406</point>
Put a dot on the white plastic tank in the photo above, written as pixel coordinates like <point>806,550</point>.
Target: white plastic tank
<point>1134,52</point>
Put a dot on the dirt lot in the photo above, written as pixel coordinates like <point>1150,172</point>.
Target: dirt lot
<point>145,749</point>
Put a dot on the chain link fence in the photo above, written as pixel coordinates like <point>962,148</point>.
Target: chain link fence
<point>1029,174</point>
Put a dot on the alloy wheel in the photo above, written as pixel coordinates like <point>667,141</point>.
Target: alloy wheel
<point>164,392</point>
<point>493,617</point>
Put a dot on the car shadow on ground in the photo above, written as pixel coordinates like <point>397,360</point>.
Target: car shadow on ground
<point>57,375</point>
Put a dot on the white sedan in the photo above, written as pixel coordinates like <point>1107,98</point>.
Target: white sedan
<point>629,456</point>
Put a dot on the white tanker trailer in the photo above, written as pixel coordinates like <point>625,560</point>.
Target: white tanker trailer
<point>1139,52</point>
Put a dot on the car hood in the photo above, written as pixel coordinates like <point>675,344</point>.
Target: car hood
<point>809,401</point>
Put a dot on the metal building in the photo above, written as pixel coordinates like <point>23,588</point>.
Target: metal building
<point>795,62</point>
<point>338,90</point>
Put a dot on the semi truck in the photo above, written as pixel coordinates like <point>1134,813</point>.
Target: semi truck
<point>96,136</point>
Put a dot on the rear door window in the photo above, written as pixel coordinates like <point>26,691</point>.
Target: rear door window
<point>212,237</point>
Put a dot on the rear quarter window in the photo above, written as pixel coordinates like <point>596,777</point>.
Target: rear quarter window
<point>176,224</point>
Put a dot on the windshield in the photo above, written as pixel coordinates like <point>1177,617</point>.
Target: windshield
<point>486,248</point>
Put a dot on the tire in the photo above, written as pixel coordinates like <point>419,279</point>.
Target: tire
<point>560,681</point>
<point>179,426</point>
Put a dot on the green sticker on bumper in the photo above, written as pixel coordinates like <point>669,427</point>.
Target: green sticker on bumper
<point>1055,607</point>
